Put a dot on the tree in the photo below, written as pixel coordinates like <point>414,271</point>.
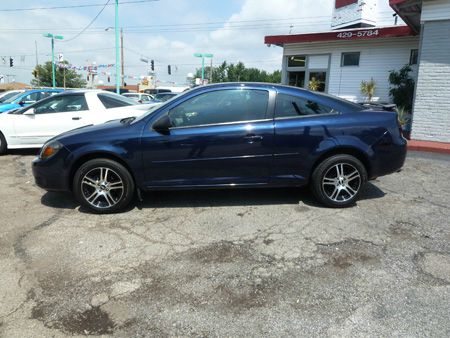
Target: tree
<point>229,72</point>
<point>43,76</point>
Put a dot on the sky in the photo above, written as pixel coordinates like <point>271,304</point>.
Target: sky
<point>167,31</point>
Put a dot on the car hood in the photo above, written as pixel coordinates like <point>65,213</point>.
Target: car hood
<point>8,106</point>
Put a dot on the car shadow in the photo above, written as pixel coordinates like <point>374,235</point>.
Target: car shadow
<point>211,198</point>
<point>24,152</point>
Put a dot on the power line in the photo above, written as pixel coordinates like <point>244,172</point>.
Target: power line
<point>186,25</point>
<point>71,6</point>
<point>89,24</point>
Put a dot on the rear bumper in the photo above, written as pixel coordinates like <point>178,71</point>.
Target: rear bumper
<point>388,158</point>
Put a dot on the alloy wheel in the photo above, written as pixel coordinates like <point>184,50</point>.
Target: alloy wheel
<point>102,187</point>
<point>341,182</point>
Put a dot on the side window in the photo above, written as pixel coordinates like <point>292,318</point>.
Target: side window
<point>114,101</point>
<point>294,106</point>
<point>62,104</point>
<point>221,106</point>
<point>31,98</point>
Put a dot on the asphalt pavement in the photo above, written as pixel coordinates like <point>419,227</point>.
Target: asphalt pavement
<point>265,262</point>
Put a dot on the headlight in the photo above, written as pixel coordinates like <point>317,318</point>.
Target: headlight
<point>50,149</point>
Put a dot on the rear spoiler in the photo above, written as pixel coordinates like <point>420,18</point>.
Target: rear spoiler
<point>378,106</point>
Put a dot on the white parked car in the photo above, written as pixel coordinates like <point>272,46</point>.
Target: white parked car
<point>32,126</point>
<point>140,97</point>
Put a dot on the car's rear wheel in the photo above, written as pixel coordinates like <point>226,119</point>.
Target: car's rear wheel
<point>3,144</point>
<point>103,185</point>
<point>338,180</point>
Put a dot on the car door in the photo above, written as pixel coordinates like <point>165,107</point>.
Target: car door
<point>221,137</point>
<point>50,117</point>
<point>301,132</point>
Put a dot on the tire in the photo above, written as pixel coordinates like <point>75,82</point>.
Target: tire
<point>103,185</point>
<point>338,180</point>
<point>3,144</point>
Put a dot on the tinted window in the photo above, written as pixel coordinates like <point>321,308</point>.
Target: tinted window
<point>221,106</point>
<point>7,96</point>
<point>13,98</point>
<point>110,100</point>
<point>31,98</point>
<point>292,106</point>
<point>61,104</point>
<point>350,59</point>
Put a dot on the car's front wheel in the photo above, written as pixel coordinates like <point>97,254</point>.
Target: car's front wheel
<point>103,185</point>
<point>338,180</point>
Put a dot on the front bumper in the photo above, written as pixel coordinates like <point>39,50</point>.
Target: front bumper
<point>52,174</point>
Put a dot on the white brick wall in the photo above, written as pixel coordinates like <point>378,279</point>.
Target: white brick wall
<point>431,117</point>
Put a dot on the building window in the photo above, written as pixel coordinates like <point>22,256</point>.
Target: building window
<point>297,61</point>
<point>413,56</point>
<point>350,59</point>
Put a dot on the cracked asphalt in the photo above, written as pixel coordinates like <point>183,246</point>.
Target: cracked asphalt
<point>228,262</point>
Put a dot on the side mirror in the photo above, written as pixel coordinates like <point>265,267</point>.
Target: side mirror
<point>163,125</point>
<point>30,111</point>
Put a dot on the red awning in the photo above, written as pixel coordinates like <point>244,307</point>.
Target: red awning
<point>342,34</point>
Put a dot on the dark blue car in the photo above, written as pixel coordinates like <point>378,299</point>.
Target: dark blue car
<point>226,136</point>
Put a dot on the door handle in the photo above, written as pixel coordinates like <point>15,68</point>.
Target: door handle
<point>76,118</point>
<point>251,138</point>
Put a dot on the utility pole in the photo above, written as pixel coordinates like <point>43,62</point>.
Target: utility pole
<point>37,63</point>
<point>121,57</point>
<point>116,28</point>
<point>210,71</point>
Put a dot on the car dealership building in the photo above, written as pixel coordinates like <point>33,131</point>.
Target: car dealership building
<point>356,49</point>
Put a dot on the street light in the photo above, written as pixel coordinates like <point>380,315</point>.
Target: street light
<point>203,56</point>
<point>53,37</point>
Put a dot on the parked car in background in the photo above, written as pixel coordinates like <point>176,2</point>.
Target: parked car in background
<point>32,126</point>
<point>156,91</point>
<point>141,97</point>
<point>227,135</point>
<point>10,93</point>
<point>165,96</point>
<point>26,98</point>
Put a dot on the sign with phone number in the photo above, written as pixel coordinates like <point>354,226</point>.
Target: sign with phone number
<point>357,34</point>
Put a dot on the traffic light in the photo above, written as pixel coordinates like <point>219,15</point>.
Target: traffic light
<point>11,62</point>
<point>152,65</point>
<point>169,70</point>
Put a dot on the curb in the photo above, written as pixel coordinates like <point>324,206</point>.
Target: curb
<point>429,146</point>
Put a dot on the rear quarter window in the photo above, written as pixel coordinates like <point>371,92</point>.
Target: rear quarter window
<point>114,101</point>
<point>295,106</point>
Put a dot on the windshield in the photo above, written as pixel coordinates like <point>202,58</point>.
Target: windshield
<point>8,95</point>
<point>13,98</point>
